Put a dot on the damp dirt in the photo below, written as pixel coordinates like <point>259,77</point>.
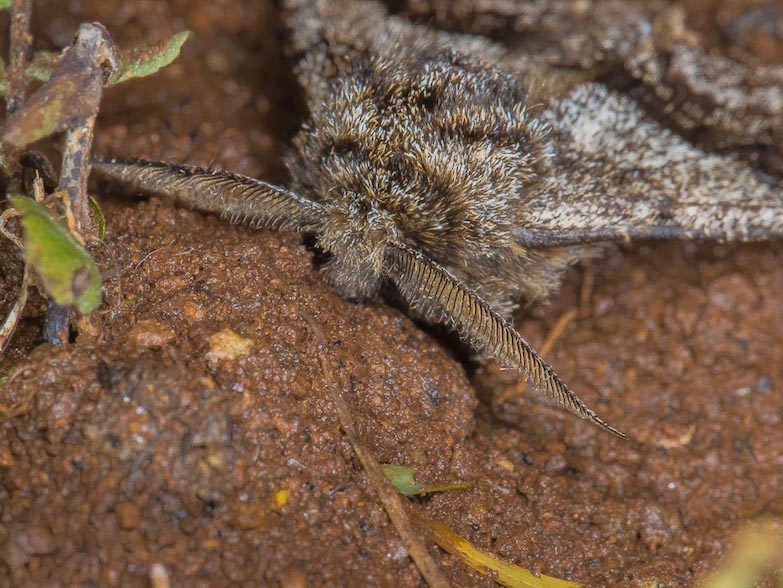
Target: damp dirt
<point>189,424</point>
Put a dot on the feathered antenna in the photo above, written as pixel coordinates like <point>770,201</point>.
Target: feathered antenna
<point>429,287</point>
<point>240,199</point>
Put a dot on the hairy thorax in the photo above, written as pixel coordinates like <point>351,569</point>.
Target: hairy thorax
<point>434,154</point>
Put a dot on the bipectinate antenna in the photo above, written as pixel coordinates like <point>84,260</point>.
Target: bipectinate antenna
<point>240,199</point>
<point>430,288</point>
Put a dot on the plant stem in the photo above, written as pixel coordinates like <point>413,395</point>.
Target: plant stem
<point>19,46</point>
<point>21,40</point>
<point>58,323</point>
<point>76,171</point>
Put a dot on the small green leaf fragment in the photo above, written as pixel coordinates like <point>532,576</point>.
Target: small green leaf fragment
<point>145,61</point>
<point>96,210</point>
<point>6,377</point>
<point>67,271</point>
<point>402,478</point>
<point>42,65</point>
<point>5,4</point>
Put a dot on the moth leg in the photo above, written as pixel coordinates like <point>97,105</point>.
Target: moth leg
<point>240,199</point>
<point>430,288</point>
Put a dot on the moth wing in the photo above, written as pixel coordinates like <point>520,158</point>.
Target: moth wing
<point>618,175</point>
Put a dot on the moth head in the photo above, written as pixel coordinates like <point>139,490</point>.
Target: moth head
<point>355,231</point>
<point>433,153</point>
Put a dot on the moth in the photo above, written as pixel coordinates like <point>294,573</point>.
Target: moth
<point>426,165</point>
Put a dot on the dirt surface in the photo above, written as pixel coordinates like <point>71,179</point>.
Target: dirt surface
<point>190,425</point>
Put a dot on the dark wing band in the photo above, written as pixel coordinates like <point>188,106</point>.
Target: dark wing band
<point>429,288</point>
<point>240,199</point>
<point>544,238</point>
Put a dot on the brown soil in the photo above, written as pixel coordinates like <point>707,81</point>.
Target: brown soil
<point>148,441</point>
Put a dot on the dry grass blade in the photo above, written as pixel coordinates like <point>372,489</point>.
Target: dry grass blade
<point>14,82</point>
<point>15,314</point>
<point>389,497</point>
<point>76,171</point>
<point>238,198</point>
<point>485,563</point>
<point>427,286</point>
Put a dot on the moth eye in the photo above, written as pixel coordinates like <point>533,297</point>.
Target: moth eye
<point>426,100</point>
<point>397,162</point>
<point>338,147</point>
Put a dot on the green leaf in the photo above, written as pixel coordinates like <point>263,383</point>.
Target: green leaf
<point>40,68</point>
<point>145,61</point>
<point>754,557</point>
<point>67,271</point>
<point>5,4</point>
<point>402,478</point>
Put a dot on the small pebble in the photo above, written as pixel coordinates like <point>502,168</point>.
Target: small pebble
<point>151,334</point>
<point>227,345</point>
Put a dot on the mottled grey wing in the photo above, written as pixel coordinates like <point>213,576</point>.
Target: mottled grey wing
<point>238,198</point>
<point>728,103</point>
<point>433,290</point>
<point>617,175</point>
